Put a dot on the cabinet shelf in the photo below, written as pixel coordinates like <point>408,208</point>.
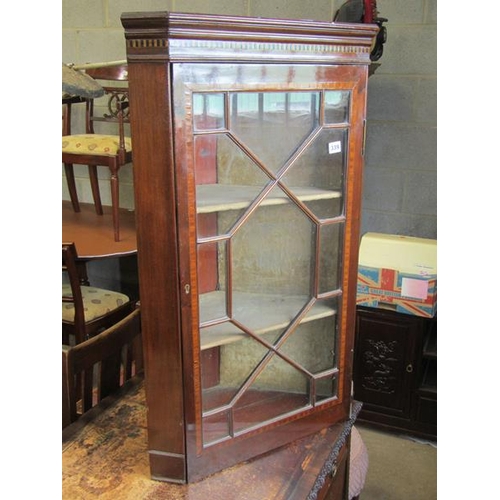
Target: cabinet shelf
<point>261,313</point>
<point>222,197</point>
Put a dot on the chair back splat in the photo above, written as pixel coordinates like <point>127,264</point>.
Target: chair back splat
<point>105,142</point>
<point>100,366</point>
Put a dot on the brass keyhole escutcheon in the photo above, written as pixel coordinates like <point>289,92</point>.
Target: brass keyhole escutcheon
<point>333,472</point>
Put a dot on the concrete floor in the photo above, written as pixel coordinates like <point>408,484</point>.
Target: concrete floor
<point>400,468</point>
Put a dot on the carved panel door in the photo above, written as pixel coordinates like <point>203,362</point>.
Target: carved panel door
<point>384,378</point>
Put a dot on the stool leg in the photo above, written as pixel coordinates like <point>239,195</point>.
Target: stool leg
<point>70,177</point>
<point>94,184</point>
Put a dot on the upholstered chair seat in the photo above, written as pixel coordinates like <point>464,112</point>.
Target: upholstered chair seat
<point>87,310</point>
<point>94,144</point>
<point>97,302</point>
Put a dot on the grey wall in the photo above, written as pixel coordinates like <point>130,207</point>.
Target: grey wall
<point>401,152</point>
<point>400,172</point>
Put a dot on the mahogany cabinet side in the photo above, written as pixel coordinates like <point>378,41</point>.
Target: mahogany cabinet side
<point>158,265</point>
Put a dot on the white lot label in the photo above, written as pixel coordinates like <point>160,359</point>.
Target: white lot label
<point>334,147</point>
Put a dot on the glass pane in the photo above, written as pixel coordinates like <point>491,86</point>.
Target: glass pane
<point>208,111</point>
<point>229,356</point>
<point>330,257</point>
<point>228,181</point>
<point>212,277</point>
<point>270,191</point>
<point>326,388</point>
<point>215,427</point>
<point>208,267</point>
<point>316,177</point>
<point>312,344</point>
<point>337,106</point>
<point>279,389</point>
<point>273,248</point>
<point>205,158</point>
<point>273,124</point>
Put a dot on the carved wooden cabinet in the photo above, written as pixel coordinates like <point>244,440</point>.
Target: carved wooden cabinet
<point>395,371</point>
<point>248,150</point>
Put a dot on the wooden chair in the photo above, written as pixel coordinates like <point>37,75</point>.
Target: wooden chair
<point>67,103</point>
<point>86,310</point>
<point>107,148</point>
<point>100,366</point>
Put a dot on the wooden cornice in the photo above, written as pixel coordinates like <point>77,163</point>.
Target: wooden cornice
<point>179,36</point>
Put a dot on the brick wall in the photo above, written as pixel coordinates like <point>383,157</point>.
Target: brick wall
<point>400,172</point>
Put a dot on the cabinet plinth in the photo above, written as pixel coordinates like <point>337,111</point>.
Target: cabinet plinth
<point>248,153</point>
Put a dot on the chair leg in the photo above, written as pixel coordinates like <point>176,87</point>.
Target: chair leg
<point>70,177</point>
<point>115,204</point>
<point>94,184</point>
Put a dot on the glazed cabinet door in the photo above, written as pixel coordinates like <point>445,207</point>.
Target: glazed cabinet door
<point>265,217</point>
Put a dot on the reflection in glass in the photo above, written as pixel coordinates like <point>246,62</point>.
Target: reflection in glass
<point>337,106</point>
<point>273,124</point>
<point>208,111</point>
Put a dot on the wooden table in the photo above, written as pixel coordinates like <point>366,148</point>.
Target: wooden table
<point>93,234</point>
<point>105,454</point>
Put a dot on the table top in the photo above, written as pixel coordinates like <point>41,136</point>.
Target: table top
<point>93,234</point>
<point>106,452</point>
